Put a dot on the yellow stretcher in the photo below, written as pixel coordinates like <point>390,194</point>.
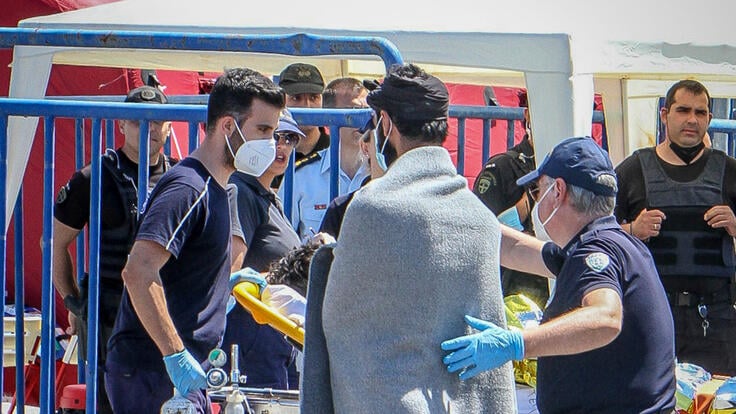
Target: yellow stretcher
<point>247,294</point>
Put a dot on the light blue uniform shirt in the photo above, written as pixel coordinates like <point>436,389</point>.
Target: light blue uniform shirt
<point>312,192</point>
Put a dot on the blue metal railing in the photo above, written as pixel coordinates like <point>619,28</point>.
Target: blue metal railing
<point>300,44</point>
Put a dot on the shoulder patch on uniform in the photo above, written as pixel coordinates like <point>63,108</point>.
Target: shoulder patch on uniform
<point>61,197</point>
<point>313,157</point>
<point>597,261</point>
<point>486,181</point>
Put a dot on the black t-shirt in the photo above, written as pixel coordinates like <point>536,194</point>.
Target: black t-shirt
<point>187,213</point>
<point>496,184</point>
<point>267,233</point>
<point>72,202</point>
<point>635,372</point>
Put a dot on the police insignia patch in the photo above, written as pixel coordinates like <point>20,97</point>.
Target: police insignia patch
<point>486,181</point>
<point>597,261</point>
<point>62,195</point>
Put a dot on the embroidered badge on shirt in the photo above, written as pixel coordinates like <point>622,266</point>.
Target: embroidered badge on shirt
<point>61,197</point>
<point>597,261</point>
<point>486,181</point>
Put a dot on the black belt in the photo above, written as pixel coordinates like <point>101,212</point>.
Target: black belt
<point>693,299</point>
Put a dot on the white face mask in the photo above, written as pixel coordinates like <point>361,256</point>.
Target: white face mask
<point>539,229</point>
<point>253,157</point>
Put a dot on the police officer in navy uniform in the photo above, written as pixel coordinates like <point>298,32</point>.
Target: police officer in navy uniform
<point>606,341</point>
<point>119,220</point>
<point>512,204</point>
<point>679,198</point>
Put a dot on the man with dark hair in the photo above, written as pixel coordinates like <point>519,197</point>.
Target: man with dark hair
<point>496,187</point>
<point>176,277</point>
<point>411,244</point>
<point>605,344</point>
<point>119,219</point>
<point>679,198</point>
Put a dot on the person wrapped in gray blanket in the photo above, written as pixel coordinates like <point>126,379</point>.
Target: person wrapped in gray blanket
<point>416,249</point>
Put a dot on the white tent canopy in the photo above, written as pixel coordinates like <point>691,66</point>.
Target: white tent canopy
<point>564,51</point>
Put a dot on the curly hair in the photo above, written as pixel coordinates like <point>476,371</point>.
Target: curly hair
<point>293,269</point>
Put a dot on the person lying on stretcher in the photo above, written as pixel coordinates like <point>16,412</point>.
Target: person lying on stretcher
<point>284,287</point>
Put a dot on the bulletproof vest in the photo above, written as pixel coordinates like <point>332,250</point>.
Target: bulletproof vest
<point>115,242</point>
<point>686,244</point>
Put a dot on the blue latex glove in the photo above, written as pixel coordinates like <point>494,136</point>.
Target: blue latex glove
<point>185,372</point>
<point>482,351</point>
<point>247,275</point>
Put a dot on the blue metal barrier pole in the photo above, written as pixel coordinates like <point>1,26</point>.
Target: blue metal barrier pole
<point>193,137</point>
<point>288,184</point>
<point>94,265</point>
<point>334,162</point>
<point>510,138</point>
<point>486,151</point>
<point>110,133</point>
<point>3,202</point>
<point>461,146</point>
<point>144,144</point>
<point>48,319</point>
<point>79,163</point>
<point>20,354</point>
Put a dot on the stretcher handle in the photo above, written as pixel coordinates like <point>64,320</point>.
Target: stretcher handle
<point>247,295</point>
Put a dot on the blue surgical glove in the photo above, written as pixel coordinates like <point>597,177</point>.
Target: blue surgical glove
<point>482,351</point>
<point>185,372</point>
<point>247,275</point>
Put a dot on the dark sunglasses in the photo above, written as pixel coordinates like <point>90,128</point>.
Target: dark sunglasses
<point>288,138</point>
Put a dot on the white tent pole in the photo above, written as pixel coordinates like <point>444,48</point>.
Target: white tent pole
<point>561,106</point>
<point>28,79</point>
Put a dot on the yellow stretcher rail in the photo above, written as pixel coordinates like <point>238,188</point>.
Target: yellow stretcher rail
<point>247,294</point>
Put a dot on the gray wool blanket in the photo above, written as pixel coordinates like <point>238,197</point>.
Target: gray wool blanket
<point>417,251</point>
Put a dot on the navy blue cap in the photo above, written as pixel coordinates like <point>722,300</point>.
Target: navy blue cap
<point>580,162</point>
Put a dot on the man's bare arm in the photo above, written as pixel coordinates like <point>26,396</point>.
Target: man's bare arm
<point>595,324</point>
<point>143,282</point>
<point>520,251</point>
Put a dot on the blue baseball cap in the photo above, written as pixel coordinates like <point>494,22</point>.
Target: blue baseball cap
<point>580,162</point>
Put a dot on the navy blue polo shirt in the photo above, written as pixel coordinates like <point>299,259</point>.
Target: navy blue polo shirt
<point>635,372</point>
<point>265,357</point>
<point>267,233</point>
<point>187,213</point>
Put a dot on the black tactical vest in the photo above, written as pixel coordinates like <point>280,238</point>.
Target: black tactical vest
<point>116,242</point>
<point>687,245</point>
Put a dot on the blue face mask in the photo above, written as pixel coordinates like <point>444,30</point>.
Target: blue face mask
<point>510,218</point>
<point>380,158</point>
